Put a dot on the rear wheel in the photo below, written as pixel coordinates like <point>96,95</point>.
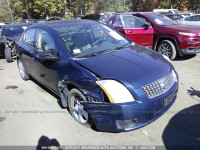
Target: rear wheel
<point>8,54</point>
<point>22,70</point>
<point>77,110</point>
<point>167,48</point>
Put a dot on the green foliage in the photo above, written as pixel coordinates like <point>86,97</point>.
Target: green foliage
<point>4,12</point>
<point>113,6</point>
<point>38,8</point>
<point>67,8</point>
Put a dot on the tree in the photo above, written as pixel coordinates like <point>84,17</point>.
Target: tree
<point>113,6</point>
<point>143,5</point>
<point>5,12</point>
<point>81,7</point>
<point>38,8</point>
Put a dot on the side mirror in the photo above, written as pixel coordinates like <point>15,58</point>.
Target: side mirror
<point>48,56</point>
<point>149,24</point>
<point>146,26</point>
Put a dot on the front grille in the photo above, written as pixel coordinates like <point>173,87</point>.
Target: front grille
<point>160,86</point>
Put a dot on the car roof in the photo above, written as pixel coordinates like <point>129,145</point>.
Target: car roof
<point>62,23</point>
<point>14,25</point>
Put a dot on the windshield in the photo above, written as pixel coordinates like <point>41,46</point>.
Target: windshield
<point>161,20</point>
<point>90,38</point>
<point>12,31</point>
<point>176,12</point>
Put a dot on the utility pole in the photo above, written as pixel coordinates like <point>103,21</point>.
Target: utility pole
<point>8,3</point>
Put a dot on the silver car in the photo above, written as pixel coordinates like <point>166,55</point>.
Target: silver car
<point>192,20</point>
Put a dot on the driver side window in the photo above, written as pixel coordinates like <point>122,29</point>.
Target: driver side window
<point>44,42</point>
<point>139,23</point>
<point>118,21</point>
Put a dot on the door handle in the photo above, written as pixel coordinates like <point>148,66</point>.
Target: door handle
<point>130,31</point>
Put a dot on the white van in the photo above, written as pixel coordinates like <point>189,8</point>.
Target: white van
<point>166,11</point>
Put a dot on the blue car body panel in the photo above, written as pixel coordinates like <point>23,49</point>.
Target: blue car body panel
<point>123,66</point>
<point>13,38</point>
<point>134,67</point>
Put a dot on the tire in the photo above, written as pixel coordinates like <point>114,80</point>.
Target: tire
<point>78,111</point>
<point>8,55</point>
<point>167,48</point>
<point>22,70</point>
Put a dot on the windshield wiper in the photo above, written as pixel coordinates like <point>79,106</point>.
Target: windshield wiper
<point>87,55</point>
<point>115,49</point>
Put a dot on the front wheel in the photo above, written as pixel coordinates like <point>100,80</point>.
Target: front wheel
<point>77,110</point>
<point>167,48</point>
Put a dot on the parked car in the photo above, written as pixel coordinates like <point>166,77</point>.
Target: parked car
<point>106,80</point>
<point>8,35</point>
<point>136,29</point>
<point>169,37</point>
<point>1,25</point>
<point>186,14</point>
<point>54,18</point>
<point>175,17</point>
<point>42,20</point>
<point>192,20</point>
<point>95,17</point>
<point>29,21</point>
<point>166,11</point>
<point>103,17</point>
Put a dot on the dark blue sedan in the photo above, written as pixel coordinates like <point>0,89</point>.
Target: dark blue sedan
<point>106,80</point>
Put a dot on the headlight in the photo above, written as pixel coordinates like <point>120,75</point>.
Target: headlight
<point>174,76</point>
<point>185,33</point>
<point>167,58</point>
<point>116,92</point>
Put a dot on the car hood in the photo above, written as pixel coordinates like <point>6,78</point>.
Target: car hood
<point>185,28</point>
<point>12,38</point>
<point>135,66</point>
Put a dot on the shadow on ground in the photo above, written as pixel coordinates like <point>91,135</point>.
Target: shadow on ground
<point>48,91</point>
<point>46,143</point>
<point>186,57</point>
<point>2,57</point>
<point>183,130</point>
<point>194,94</point>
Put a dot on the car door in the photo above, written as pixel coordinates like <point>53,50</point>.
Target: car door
<point>117,24</point>
<point>47,69</point>
<point>27,50</point>
<point>138,30</point>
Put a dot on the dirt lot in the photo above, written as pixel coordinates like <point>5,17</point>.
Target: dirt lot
<point>32,112</point>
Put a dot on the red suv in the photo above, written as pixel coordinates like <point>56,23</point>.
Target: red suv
<point>159,32</point>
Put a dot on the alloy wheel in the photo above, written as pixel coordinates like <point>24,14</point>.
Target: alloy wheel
<point>21,69</point>
<point>78,110</point>
<point>165,49</point>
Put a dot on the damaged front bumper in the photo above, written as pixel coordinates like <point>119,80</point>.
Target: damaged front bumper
<point>129,116</point>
